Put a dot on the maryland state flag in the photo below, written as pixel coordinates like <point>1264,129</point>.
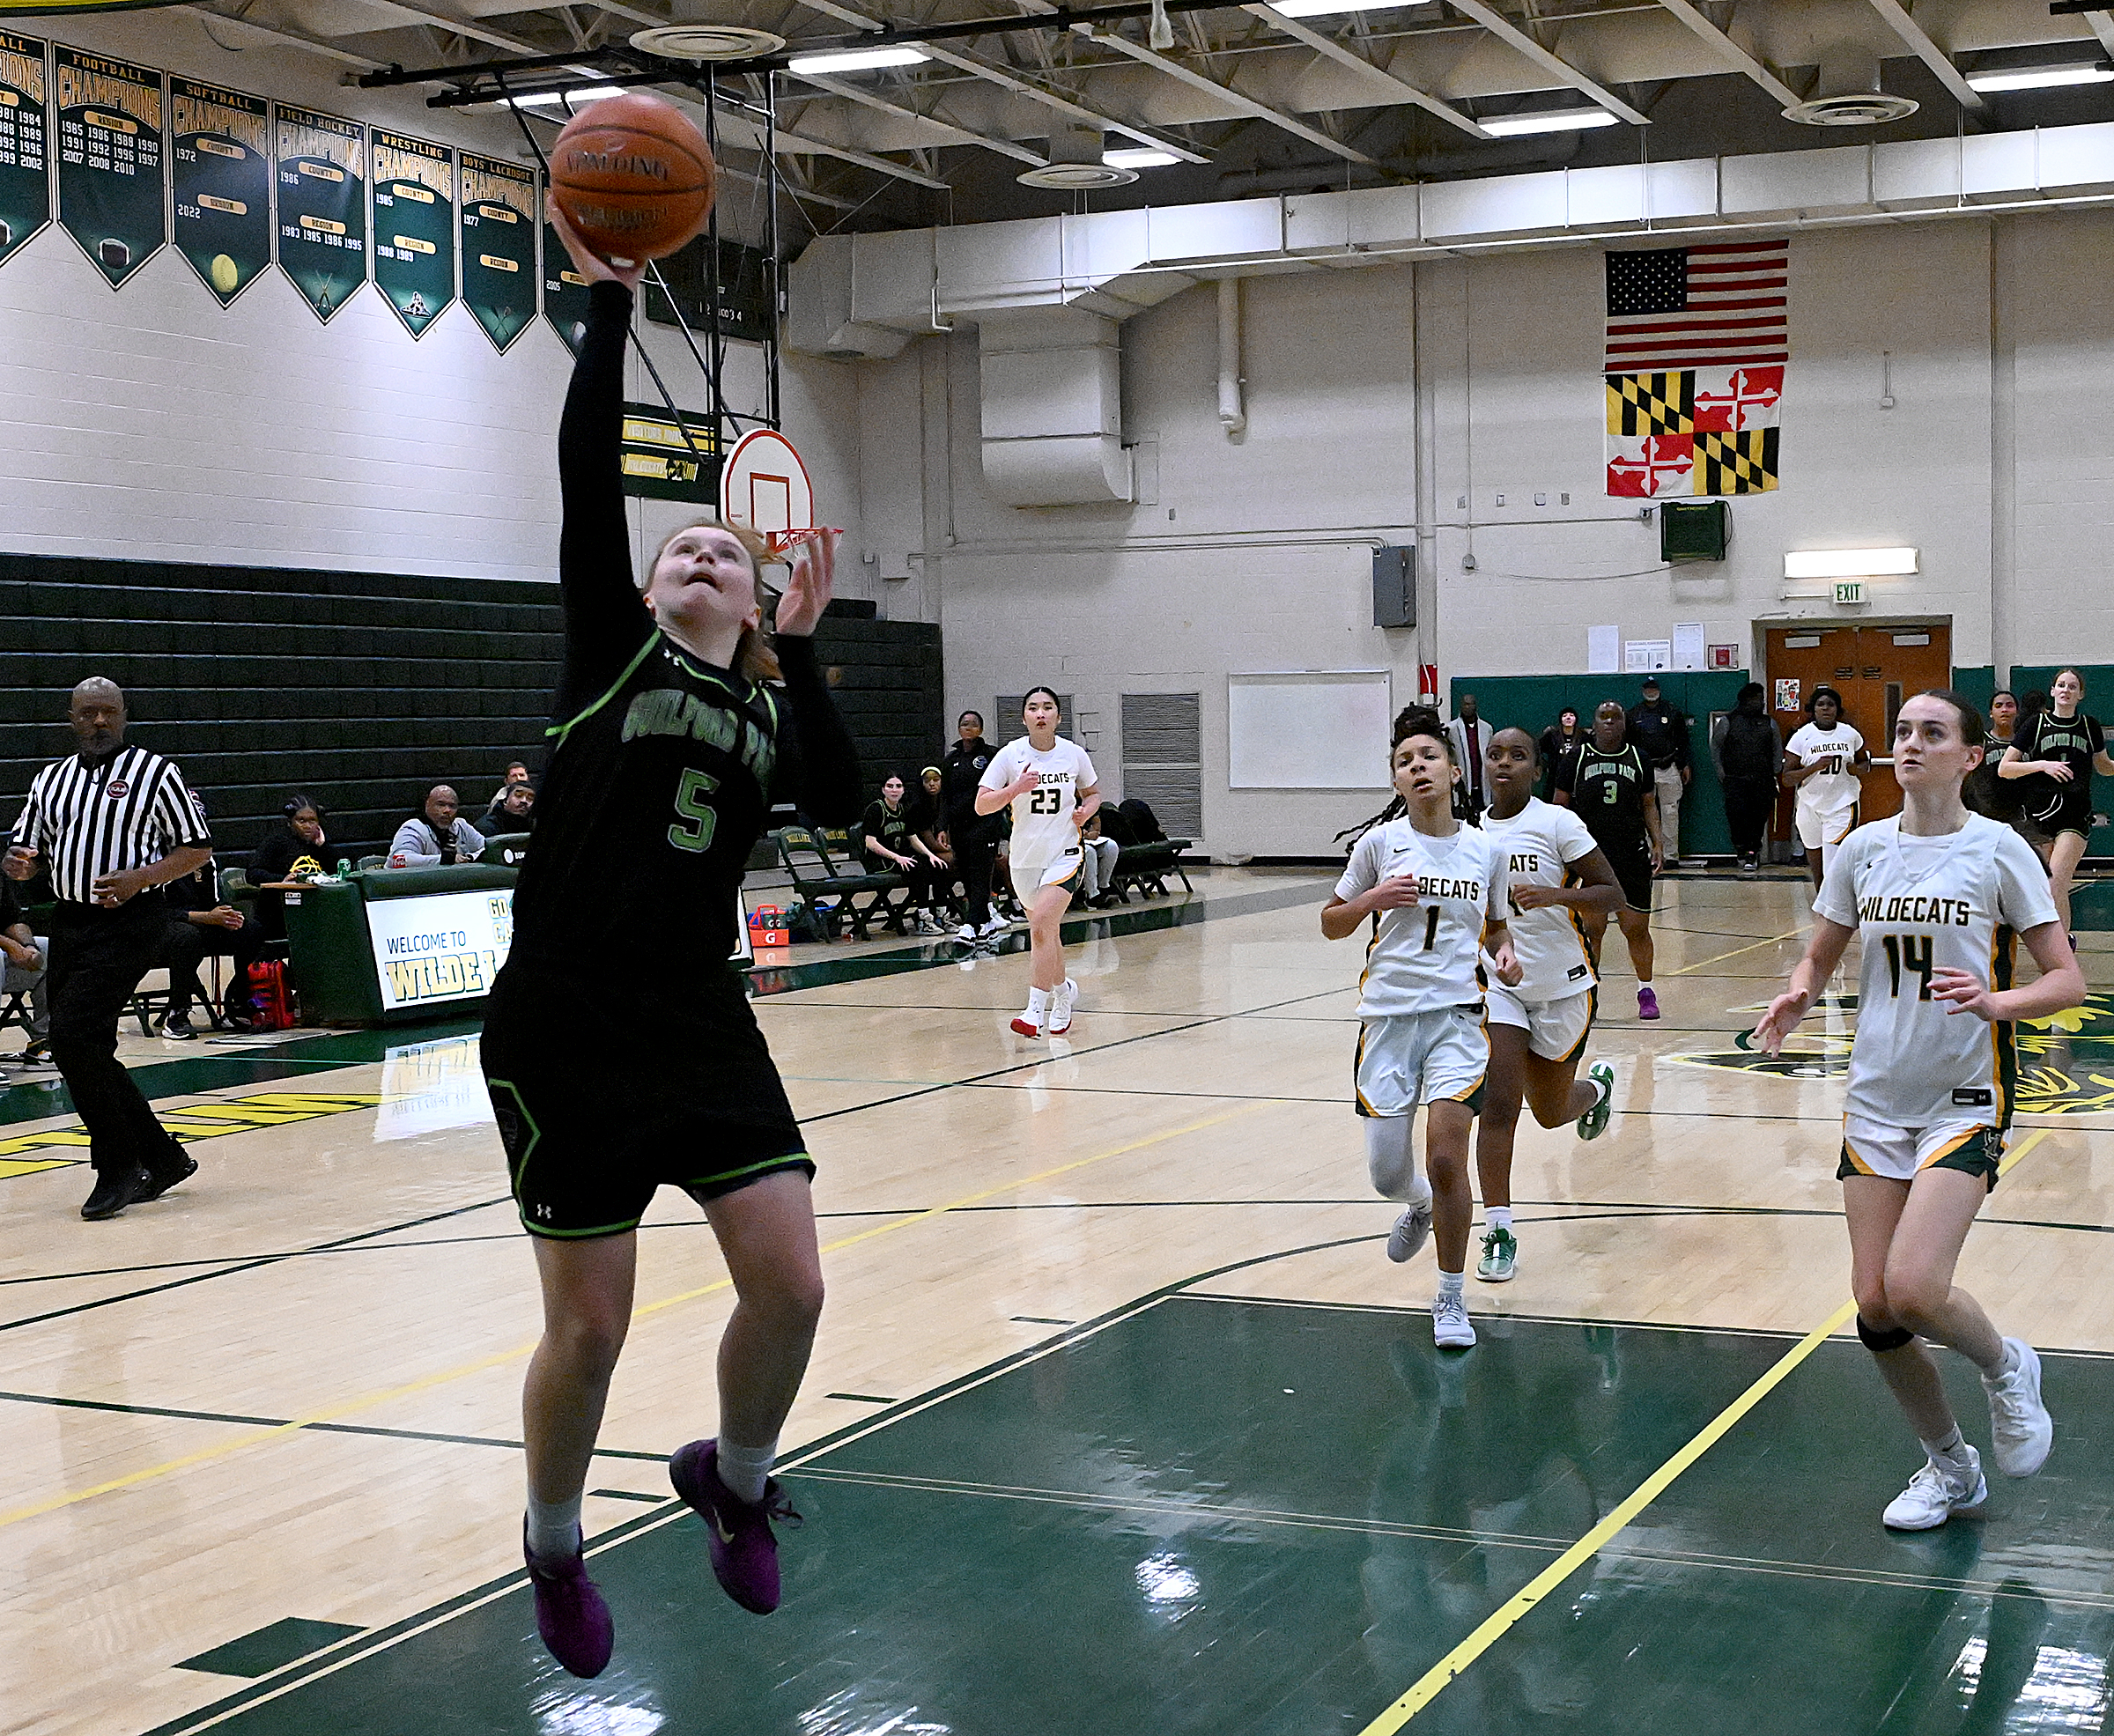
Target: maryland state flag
<point>1700,431</point>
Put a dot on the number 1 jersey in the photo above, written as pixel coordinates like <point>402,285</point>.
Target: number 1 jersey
<point>1920,905</point>
<point>1424,956</point>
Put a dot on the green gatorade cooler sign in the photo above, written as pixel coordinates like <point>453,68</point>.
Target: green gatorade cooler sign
<point>413,226</point>
<point>24,142</point>
<point>320,161</point>
<point>220,176</point>
<point>112,168</point>
<point>498,246</point>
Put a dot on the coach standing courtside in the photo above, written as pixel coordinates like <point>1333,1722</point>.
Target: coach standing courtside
<point>111,824</point>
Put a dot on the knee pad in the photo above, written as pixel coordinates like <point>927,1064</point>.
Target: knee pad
<point>1879,1342</point>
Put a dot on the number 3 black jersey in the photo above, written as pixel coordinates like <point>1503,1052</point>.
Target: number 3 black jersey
<point>662,767</point>
<point>1919,906</point>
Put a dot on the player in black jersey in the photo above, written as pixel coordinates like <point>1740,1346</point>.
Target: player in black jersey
<point>1607,780</point>
<point>2058,750</point>
<point>619,1045</point>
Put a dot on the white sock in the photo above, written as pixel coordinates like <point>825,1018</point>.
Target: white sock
<point>1391,1159</point>
<point>744,1469</point>
<point>554,1533</point>
<point>1953,1449</point>
<point>1500,1218</point>
<point>1450,1282</point>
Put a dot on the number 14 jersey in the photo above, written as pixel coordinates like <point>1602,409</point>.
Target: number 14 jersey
<point>1920,905</point>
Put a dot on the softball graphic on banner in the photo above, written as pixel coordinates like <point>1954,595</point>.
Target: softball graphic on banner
<point>220,175</point>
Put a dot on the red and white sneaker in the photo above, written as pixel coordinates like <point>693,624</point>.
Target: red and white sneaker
<point>1027,1023</point>
<point>1062,998</point>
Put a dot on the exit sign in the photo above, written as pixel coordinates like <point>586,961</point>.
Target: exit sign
<point>1848,590</point>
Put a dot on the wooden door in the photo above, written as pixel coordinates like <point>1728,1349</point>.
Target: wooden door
<point>1874,669</point>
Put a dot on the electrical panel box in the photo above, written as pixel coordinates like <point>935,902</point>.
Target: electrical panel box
<point>1394,586</point>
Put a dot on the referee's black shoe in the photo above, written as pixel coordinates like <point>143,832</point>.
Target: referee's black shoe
<point>161,1177</point>
<point>115,1190</point>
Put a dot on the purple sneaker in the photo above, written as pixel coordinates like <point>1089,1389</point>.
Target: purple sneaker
<point>570,1614</point>
<point>744,1552</point>
<point>1647,1003</point>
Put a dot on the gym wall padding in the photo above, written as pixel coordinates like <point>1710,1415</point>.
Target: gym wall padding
<point>362,689</point>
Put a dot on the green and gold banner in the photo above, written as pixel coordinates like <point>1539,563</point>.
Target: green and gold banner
<point>564,292</point>
<point>321,164</point>
<point>24,142</point>
<point>666,457</point>
<point>220,177</point>
<point>414,226</point>
<point>498,246</point>
<point>111,164</point>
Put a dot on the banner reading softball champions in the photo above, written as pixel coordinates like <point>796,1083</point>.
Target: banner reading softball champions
<point>414,226</point>
<point>498,246</point>
<point>111,164</point>
<point>220,174</point>
<point>25,149</point>
<point>321,164</point>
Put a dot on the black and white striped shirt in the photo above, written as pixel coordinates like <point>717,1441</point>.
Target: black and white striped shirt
<point>87,820</point>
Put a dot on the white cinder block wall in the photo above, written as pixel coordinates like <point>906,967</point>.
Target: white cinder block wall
<point>1263,564</point>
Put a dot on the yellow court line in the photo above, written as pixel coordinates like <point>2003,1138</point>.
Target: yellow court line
<point>1435,1681</point>
<point>1735,952</point>
<point>368,1401</point>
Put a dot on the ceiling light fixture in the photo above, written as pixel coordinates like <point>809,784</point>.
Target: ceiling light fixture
<point>1314,9</point>
<point>2040,78</point>
<point>859,60</point>
<point>1139,157</point>
<point>1847,563</point>
<point>1546,120</point>
<point>558,98</point>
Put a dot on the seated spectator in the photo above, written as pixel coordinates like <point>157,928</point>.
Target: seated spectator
<point>1097,864</point>
<point>515,813</point>
<point>291,849</point>
<point>438,837</point>
<point>200,925</point>
<point>23,956</point>
<point>516,773</point>
<point>892,847</point>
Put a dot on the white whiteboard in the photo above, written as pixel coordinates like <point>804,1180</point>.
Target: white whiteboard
<point>1325,730</point>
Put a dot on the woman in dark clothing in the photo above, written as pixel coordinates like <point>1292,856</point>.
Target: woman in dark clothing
<point>292,844</point>
<point>1748,748</point>
<point>971,837</point>
<point>1557,741</point>
<point>672,738</point>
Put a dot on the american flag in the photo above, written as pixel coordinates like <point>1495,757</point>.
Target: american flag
<point>1717,305</point>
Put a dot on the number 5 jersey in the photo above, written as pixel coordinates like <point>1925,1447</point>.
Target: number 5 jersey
<point>1921,906</point>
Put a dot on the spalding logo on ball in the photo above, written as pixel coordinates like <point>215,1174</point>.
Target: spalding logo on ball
<point>633,175</point>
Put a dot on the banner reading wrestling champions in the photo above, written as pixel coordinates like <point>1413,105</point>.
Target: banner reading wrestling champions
<point>414,226</point>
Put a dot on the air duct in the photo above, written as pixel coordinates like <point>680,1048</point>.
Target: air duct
<point>1076,165</point>
<point>1232,412</point>
<point>1847,92</point>
<point>1052,407</point>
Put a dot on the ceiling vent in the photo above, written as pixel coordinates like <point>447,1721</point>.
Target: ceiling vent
<point>706,42</point>
<point>1847,94</point>
<point>1076,165</point>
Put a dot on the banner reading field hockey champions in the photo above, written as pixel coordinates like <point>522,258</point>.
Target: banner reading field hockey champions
<point>220,173</point>
<point>111,163</point>
<point>414,226</point>
<point>24,151</point>
<point>498,246</point>
<point>320,161</point>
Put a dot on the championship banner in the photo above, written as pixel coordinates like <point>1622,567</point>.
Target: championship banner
<point>564,292</point>
<point>24,143</point>
<point>320,161</point>
<point>220,175</point>
<point>111,166</point>
<point>414,226</point>
<point>498,246</point>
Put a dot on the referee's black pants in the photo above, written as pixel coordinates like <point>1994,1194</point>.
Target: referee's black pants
<point>98,958</point>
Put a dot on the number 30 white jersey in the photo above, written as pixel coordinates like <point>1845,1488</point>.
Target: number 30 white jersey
<point>1919,906</point>
<point>1424,957</point>
<point>1042,818</point>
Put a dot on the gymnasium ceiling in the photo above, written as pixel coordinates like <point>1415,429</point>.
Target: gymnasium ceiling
<point>1250,101</point>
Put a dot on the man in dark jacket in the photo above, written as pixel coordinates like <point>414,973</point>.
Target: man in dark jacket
<point>1661,730</point>
<point>1748,749</point>
<point>972,838</point>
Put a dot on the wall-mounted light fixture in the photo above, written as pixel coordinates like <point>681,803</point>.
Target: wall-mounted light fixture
<point>1848,563</point>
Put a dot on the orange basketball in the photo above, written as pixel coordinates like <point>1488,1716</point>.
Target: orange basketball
<point>633,175</point>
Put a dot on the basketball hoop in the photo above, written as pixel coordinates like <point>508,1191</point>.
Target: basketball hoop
<point>763,488</point>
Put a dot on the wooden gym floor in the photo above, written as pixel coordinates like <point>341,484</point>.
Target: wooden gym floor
<point>1119,1421</point>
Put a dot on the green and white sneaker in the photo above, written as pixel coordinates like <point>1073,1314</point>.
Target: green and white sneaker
<point>1594,1122</point>
<point>1500,1257</point>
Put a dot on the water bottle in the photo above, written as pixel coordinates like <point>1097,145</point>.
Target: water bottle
<point>344,867</point>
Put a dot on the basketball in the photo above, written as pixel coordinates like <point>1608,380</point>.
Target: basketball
<point>634,176</point>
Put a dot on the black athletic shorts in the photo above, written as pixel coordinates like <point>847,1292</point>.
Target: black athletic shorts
<point>1632,866</point>
<point>2064,808</point>
<point>597,1108</point>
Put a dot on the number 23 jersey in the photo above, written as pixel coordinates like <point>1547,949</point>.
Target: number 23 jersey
<point>1042,818</point>
<point>1920,905</point>
<point>1424,956</point>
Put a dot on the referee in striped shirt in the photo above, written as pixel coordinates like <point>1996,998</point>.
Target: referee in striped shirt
<point>111,825</point>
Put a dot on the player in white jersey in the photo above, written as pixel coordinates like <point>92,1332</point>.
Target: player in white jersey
<point>1821,759</point>
<point>1935,898</point>
<point>1051,786</point>
<point>1558,875</point>
<point>1436,890</point>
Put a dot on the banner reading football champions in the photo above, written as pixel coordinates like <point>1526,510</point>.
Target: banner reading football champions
<point>498,246</point>
<point>564,292</point>
<point>111,164</point>
<point>24,147</point>
<point>220,174</point>
<point>414,226</point>
<point>320,161</point>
